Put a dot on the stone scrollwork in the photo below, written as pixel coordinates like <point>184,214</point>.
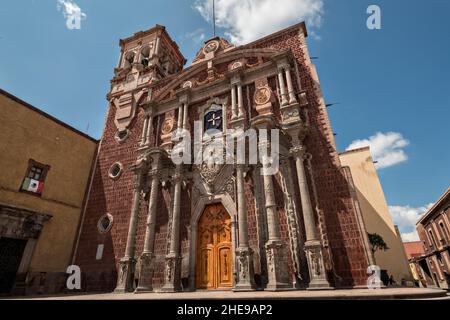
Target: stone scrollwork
<point>187,84</point>
<point>242,255</point>
<point>170,267</point>
<point>270,261</point>
<point>291,113</point>
<point>262,95</point>
<point>167,126</point>
<point>236,65</point>
<point>210,172</point>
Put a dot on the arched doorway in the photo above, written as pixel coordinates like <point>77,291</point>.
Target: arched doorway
<point>214,253</point>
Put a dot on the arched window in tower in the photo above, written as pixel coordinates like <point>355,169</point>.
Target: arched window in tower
<point>145,56</point>
<point>129,59</point>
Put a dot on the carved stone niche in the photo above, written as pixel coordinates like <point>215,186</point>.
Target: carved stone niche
<point>263,97</point>
<point>126,106</point>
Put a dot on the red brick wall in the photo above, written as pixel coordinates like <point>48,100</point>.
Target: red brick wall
<point>333,194</point>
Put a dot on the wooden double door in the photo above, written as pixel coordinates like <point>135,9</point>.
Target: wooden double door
<point>214,249</point>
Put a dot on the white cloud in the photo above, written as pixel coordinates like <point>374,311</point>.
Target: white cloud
<point>386,148</point>
<point>405,217</point>
<point>197,35</point>
<point>72,12</point>
<point>410,236</point>
<point>248,20</point>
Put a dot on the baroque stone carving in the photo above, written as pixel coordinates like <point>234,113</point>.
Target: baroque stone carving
<point>187,84</point>
<point>170,267</point>
<point>262,95</point>
<point>270,261</point>
<point>211,47</point>
<point>236,65</point>
<point>167,126</point>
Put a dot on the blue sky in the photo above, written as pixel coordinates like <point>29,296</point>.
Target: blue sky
<point>392,84</point>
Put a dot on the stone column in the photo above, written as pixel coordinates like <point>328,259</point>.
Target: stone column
<point>180,116</point>
<point>127,265</point>
<point>185,115</point>
<point>234,248</point>
<point>147,256</point>
<point>244,252</point>
<point>149,128</point>
<point>172,272</point>
<point>277,268</point>
<point>284,100</point>
<point>234,112</point>
<point>313,245</point>
<point>240,101</point>
<point>192,258</point>
<point>292,98</point>
<point>144,130</point>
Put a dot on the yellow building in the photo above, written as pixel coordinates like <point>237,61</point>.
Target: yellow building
<point>46,168</point>
<point>375,213</point>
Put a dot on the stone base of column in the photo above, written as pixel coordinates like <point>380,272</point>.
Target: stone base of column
<point>146,273</point>
<point>238,123</point>
<point>290,114</point>
<point>277,269</point>
<point>172,274</point>
<point>246,280</point>
<point>125,279</point>
<point>317,273</point>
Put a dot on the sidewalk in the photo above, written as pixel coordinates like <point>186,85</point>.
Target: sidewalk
<point>365,294</point>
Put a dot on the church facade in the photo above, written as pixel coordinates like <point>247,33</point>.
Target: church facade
<point>154,224</point>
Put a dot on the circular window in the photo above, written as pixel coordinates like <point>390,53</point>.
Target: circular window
<point>115,171</point>
<point>122,135</point>
<point>104,224</point>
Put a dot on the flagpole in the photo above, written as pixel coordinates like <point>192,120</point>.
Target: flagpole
<point>214,18</point>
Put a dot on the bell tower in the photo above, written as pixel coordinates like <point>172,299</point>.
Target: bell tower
<point>146,57</point>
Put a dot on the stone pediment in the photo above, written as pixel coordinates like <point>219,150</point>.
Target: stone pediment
<point>196,74</point>
<point>212,48</point>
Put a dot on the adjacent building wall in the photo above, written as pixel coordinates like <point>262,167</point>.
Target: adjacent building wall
<point>28,133</point>
<point>375,212</point>
<point>434,232</point>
